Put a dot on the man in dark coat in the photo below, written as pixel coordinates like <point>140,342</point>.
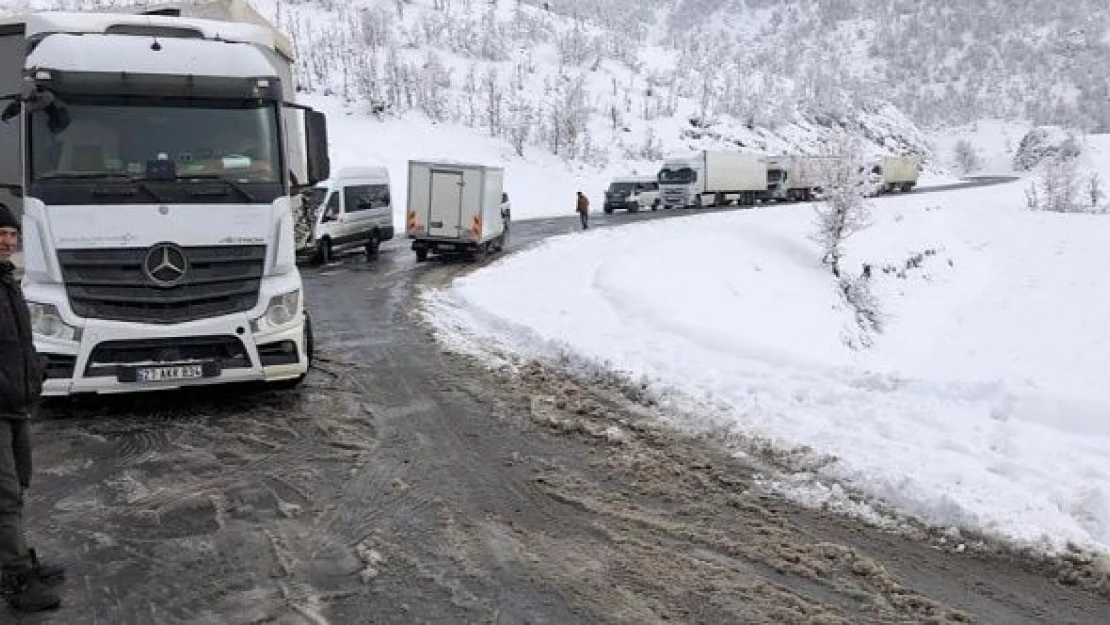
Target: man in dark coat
<point>25,582</point>
<point>583,209</point>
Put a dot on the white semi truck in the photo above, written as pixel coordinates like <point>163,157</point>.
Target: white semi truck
<point>712,178</point>
<point>157,160</point>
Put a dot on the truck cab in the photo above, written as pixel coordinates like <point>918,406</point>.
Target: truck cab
<point>681,179</point>
<point>157,171</point>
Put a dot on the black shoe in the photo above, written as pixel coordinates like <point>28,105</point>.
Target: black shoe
<point>25,592</point>
<point>50,574</point>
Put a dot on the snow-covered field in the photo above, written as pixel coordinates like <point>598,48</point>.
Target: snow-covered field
<point>983,404</point>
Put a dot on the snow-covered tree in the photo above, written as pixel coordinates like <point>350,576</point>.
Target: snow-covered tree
<point>844,211</point>
<point>967,158</point>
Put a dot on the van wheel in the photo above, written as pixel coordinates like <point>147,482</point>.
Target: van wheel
<point>421,255</point>
<point>323,251</point>
<point>372,245</point>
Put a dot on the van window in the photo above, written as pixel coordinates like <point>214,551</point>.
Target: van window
<point>366,196</point>
<point>333,205</point>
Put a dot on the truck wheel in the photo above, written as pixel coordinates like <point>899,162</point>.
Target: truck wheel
<point>655,206</point>
<point>421,255</point>
<point>323,251</point>
<point>608,211</point>
<point>907,187</point>
<point>372,245</point>
<point>697,201</point>
<point>635,208</point>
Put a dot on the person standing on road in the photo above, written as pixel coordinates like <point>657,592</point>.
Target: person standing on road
<point>584,210</point>
<point>25,583</point>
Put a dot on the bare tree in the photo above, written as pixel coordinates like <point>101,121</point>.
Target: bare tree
<point>494,98</point>
<point>967,158</point>
<point>844,211</point>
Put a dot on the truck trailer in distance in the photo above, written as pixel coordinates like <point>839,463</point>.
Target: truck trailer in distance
<point>712,178</point>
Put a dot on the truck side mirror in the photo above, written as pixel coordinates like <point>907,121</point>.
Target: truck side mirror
<point>316,144</point>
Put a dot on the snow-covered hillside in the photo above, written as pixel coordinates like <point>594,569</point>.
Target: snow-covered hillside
<point>981,405</point>
<point>577,92</point>
<point>943,63</point>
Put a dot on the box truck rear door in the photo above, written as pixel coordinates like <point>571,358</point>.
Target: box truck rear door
<point>445,219</point>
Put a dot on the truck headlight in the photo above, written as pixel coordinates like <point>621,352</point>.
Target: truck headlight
<point>281,311</point>
<point>46,321</point>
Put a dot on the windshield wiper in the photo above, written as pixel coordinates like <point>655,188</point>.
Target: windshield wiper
<point>105,176</point>
<point>231,184</point>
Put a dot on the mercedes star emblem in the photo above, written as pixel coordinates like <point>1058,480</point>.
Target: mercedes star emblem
<point>165,264</point>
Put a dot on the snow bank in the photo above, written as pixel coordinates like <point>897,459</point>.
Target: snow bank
<point>982,406</point>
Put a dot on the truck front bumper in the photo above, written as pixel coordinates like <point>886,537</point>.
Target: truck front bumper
<point>114,357</point>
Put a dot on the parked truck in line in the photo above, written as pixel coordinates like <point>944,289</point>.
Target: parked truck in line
<point>793,178</point>
<point>456,208</point>
<point>712,178</point>
<point>887,174</point>
<point>156,160</point>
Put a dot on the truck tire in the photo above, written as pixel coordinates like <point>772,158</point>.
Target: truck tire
<point>323,251</point>
<point>607,210</point>
<point>907,187</point>
<point>697,201</point>
<point>655,205</point>
<point>421,255</point>
<point>634,208</point>
<point>373,244</point>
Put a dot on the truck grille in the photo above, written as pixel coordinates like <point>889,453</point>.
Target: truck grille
<point>116,284</point>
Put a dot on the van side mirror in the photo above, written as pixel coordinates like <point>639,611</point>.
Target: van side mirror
<point>316,147</point>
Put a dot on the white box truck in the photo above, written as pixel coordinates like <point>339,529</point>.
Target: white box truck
<point>156,160</point>
<point>455,208</point>
<point>893,173</point>
<point>712,178</point>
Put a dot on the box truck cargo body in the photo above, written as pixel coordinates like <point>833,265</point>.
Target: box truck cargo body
<point>455,208</point>
<point>894,173</point>
<point>712,178</point>
<point>155,160</point>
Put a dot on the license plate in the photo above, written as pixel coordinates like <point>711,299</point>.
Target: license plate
<point>177,372</point>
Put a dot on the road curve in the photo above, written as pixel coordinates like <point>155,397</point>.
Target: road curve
<point>402,484</point>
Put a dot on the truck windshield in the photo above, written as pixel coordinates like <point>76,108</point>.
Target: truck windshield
<point>684,175</point>
<point>166,143</point>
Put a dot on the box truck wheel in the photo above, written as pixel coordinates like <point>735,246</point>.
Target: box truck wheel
<point>323,251</point>
<point>421,254</point>
<point>372,244</point>
<point>907,187</point>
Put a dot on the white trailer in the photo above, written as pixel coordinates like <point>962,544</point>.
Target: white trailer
<point>795,178</point>
<point>894,173</point>
<point>455,208</point>
<point>157,160</point>
<point>713,178</point>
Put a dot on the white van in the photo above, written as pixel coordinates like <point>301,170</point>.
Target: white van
<point>353,210</point>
